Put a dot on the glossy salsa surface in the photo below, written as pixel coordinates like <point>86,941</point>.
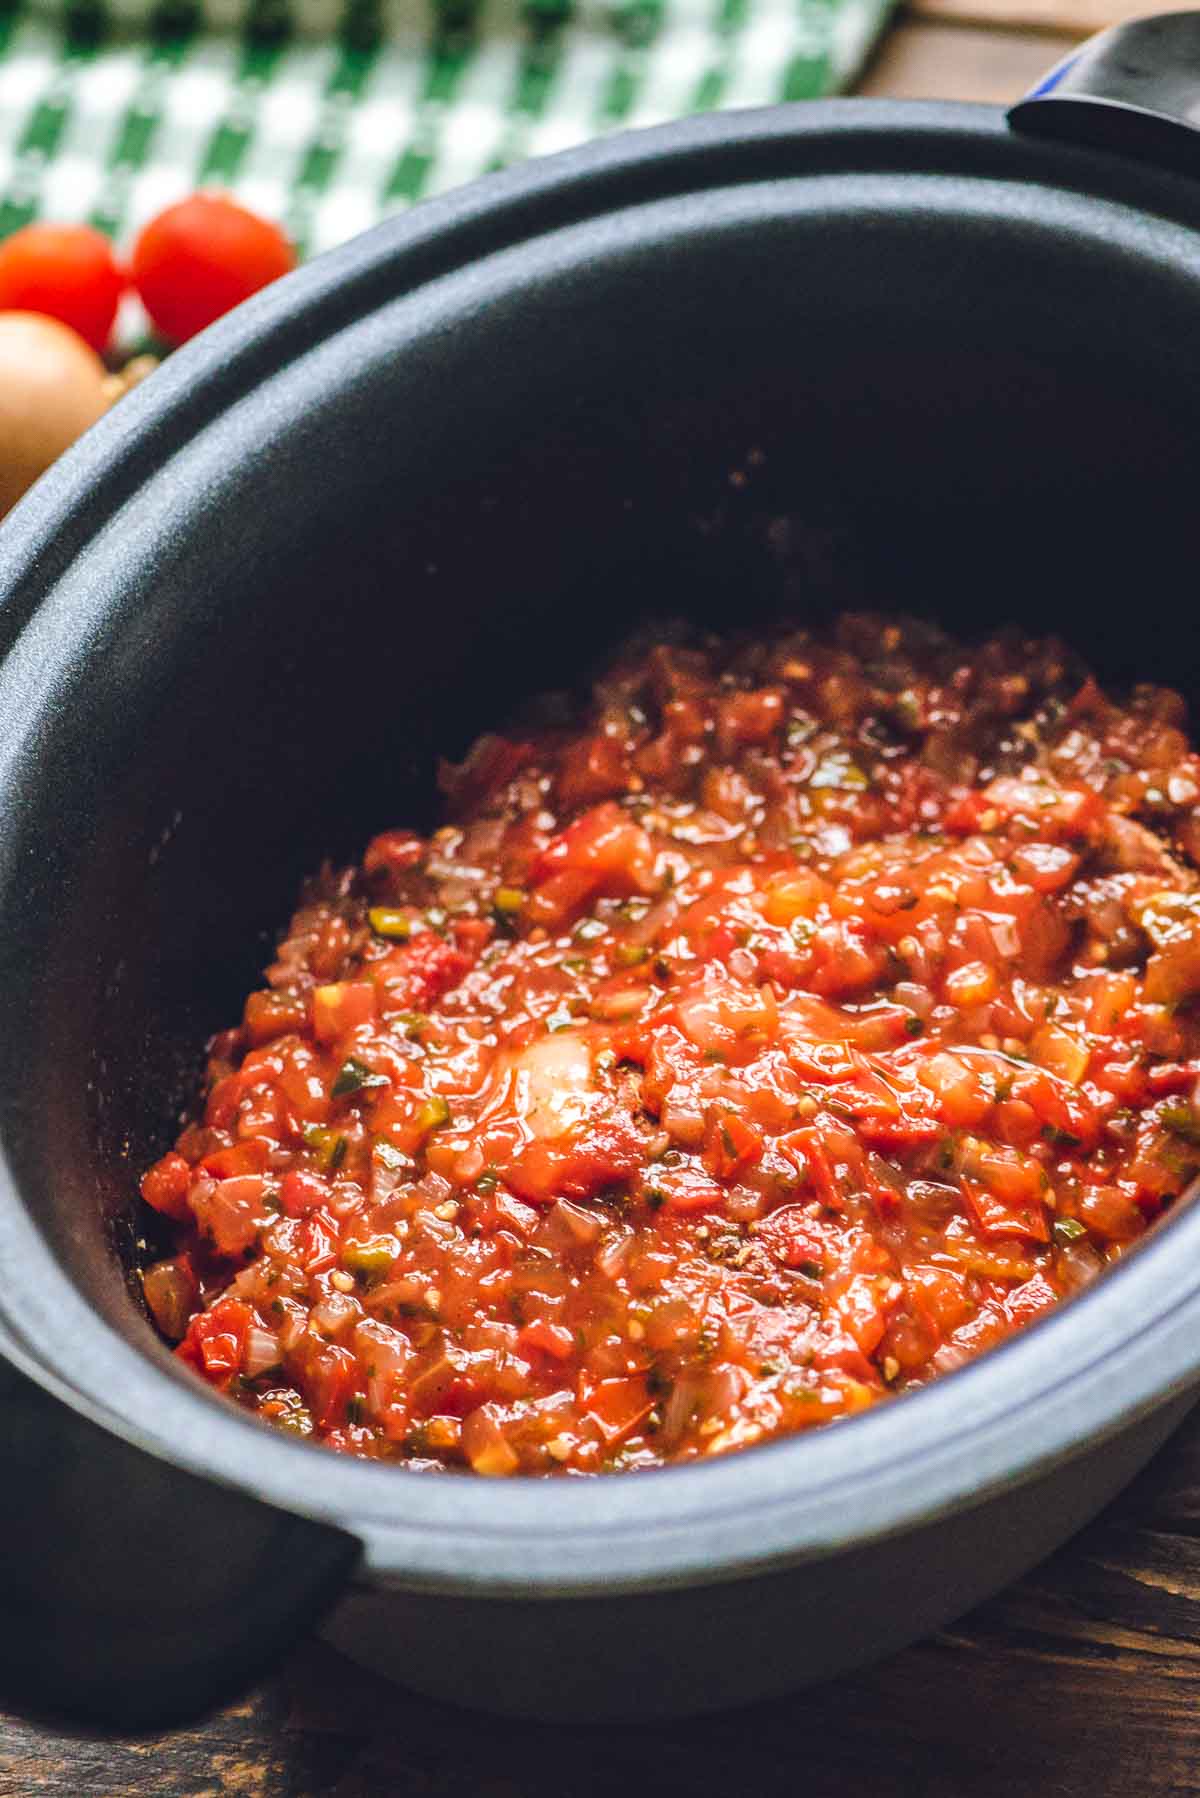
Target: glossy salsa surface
<point>762,1037</point>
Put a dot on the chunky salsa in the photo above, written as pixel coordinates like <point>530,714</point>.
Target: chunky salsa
<point>765,1037</point>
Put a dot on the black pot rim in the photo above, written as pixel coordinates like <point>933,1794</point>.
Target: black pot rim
<point>1119,1351</point>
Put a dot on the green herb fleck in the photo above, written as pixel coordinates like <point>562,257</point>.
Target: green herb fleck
<point>355,1076</point>
<point>1061,1139</point>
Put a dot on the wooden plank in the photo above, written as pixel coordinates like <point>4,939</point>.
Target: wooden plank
<point>1080,17</point>
<point>923,59</point>
<point>1083,1681</point>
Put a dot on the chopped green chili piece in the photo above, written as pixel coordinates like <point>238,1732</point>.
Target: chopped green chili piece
<point>1181,1120</point>
<point>355,1076</point>
<point>372,1257</point>
<point>387,921</point>
<point>1061,1139</point>
<point>330,1146</point>
<point>434,1114</point>
<point>1068,1229</point>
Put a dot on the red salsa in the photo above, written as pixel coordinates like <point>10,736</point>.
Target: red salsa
<point>765,1037</point>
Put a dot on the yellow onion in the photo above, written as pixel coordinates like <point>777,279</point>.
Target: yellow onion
<point>52,387</point>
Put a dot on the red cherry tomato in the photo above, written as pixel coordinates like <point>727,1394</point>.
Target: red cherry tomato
<point>67,272</point>
<point>203,256</point>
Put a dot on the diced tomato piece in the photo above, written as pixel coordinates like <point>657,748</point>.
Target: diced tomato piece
<point>394,852</point>
<point>216,1340</point>
<point>576,1166</point>
<point>728,1020</point>
<point>302,1191</point>
<point>616,1407</point>
<point>165,1185</point>
<point>1006,1216</point>
<point>752,717</point>
<point>338,1008</point>
<point>833,1159</point>
<point>965,816</point>
<point>270,1014</point>
<point>248,1157</point>
<point>1049,808</point>
<point>559,897</point>
<point>472,935</point>
<point>605,843</point>
<point>547,1339</point>
<point>943,1295</point>
<point>223,1102</point>
<point>1030,1299</point>
<point>962,1097</point>
<point>592,769</point>
<point>1172,1077</point>
<point>687,1189</point>
<point>796,1238</point>
<point>1067,1114</point>
<point>861,1311</point>
<point>430,966</point>
<point>1046,867</point>
<point>731,1145</point>
<point>974,983</point>
<point>1106,1210</point>
<point>846,959</point>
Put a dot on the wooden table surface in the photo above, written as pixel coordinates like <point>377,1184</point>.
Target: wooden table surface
<point>1081,1682</point>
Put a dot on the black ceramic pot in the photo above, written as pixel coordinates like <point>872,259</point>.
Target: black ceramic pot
<point>903,353</point>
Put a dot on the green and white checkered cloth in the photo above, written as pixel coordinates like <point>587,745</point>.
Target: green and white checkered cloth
<point>327,114</point>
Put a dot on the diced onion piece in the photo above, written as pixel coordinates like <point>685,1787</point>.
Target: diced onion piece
<point>548,1083</point>
<point>485,1444</point>
<point>1060,1053</point>
<point>262,1351</point>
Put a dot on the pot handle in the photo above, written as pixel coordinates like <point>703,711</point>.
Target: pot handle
<point>1134,90</point>
<point>134,1594</point>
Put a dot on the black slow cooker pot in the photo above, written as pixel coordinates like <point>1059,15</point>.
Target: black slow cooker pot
<point>922,356</point>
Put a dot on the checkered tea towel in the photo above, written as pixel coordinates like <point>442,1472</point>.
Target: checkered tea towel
<point>327,114</point>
